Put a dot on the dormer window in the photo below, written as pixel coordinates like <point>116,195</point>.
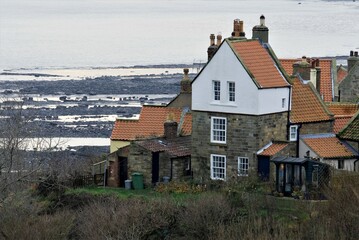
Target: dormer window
<point>217,90</point>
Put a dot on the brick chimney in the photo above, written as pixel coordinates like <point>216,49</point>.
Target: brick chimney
<point>212,49</point>
<point>186,82</point>
<point>261,31</point>
<point>302,68</point>
<point>170,129</point>
<point>352,59</point>
<point>238,29</point>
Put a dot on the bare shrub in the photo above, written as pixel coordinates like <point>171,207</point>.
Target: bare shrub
<point>201,217</point>
<point>20,219</point>
<point>127,219</point>
<point>337,218</point>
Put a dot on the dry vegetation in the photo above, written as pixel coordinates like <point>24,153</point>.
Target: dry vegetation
<point>232,212</point>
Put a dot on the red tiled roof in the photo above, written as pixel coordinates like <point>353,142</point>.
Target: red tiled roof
<point>259,63</point>
<point>347,109</point>
<point>150,123</point>
<point>306,104</point>
<point>326,83</point>
<point>328,147</point>
<point>273,149</point>
<point>341,74</point>
<point>340,122</point>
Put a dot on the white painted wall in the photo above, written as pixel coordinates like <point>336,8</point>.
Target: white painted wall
<point>225,67</point>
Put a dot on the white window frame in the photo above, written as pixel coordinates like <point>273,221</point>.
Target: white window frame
<point>243,166</point>
<point>295,128</point>
<point>218,167</point>
<point>216,132</point>
<point>231,91</point>
<point>216,92</point>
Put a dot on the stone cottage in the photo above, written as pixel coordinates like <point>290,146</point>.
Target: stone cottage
<point>240,101</point>
<point>156,158</point>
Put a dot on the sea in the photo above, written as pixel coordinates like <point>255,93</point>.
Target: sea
<point>80,39</point>
<point>38,34</point>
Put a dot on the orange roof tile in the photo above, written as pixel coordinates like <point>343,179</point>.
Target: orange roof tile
<point>326,83</point>
<point>150,123</point>
<point>273,149</point>
<point>340,122</point>
<point>347,109</point>
<point>259,63</point>
<point>341,74</point>
<point>307,105</point>
<point>328,147</point>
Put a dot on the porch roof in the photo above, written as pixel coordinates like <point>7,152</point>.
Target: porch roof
<point>293,160</point>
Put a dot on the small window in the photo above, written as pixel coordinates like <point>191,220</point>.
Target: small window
<point>231,92</point>
<point>340,164</point>
<point>218,129</point>
<point>218,167</point>
<point>216,90</point>
<point>293,133</point>
<point>283,103</point>
<point>243,166</point>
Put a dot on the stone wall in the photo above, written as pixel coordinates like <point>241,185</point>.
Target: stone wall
<point>246,134</point>
<point>349,87</point>
<point>318,127</point>
<point>140,160</point>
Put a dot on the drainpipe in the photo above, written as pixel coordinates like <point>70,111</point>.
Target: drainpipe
<point>297,141</point>
<point>288,115</point>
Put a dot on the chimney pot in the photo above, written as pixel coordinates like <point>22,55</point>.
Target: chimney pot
<point>219,39</point>
<point>351,53</point>
<point>262,20</point>
<point>304,59</point>
<point>356,54</point>
<point>212,37</point>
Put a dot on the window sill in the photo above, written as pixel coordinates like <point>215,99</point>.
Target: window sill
<point>226,104</point>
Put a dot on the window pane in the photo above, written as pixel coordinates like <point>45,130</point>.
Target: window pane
<point>243,166</point>
<point>231,91</point>
<point>218,167</point>
<point>217,90</point>
<point>219,130</point>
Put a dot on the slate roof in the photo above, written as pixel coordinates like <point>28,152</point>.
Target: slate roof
<point>351,130</point>
<point>150,123</point>
<point>273,149</point>
<point>326,81</point>
<point>176,147</point>
<point>307,105</point>
<point>327,146</point>
<point>259,63</point>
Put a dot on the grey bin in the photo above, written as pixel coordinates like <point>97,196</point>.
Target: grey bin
<point>128,184</point>
<point>166,179</point>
